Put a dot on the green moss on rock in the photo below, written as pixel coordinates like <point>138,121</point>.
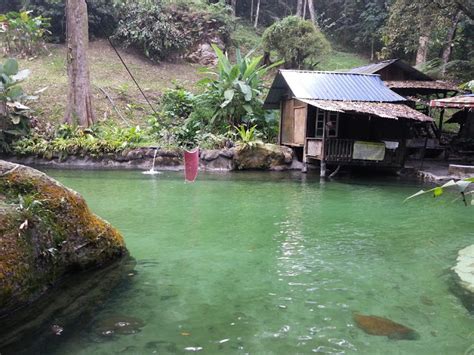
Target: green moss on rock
<point>46,231</point>
<point>263,157</point>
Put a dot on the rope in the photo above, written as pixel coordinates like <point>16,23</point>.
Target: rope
<point>131,75</point>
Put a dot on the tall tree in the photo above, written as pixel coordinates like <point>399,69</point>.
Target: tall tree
<point>448,46</point>
<point>299,8</point>
<point>233,3</point>
<point>257,14</point>
<point>424,20</point>
<point>79,107</point>
<point>312,12</point>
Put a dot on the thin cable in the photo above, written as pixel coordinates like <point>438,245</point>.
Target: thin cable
<point>131,75</point>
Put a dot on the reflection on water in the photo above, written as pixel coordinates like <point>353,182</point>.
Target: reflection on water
<point>274,264</point>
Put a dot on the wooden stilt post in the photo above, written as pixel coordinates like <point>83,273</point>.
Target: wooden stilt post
<point>441,118</point>
<point>322,172</point>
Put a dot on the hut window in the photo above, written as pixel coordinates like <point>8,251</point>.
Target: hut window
<point>319,123</point>
<point>332,124</point>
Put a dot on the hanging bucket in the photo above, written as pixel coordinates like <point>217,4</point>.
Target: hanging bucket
<point>191,165</point>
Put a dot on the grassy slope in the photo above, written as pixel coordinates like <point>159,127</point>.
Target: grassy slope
<point>108,73</point>
<point>337,60</point>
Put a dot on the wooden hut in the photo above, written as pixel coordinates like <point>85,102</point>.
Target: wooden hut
<point>342,118</point>
<point>415,86</point>
<point>406,80</point>
<point>464,117</point>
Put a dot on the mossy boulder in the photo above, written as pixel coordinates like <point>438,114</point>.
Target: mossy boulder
<point>46,232</point>
<point>263,157</point>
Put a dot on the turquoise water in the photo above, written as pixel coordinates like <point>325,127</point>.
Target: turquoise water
<point>266,263</point>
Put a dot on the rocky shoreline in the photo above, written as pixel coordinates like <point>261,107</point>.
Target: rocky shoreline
<point>260,157</point>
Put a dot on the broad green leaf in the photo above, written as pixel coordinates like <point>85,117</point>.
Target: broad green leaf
<point>462,185</point>
<point>234,73</point>
<point>229,94</point>
<point>252,67</point>
<point>246,90</point>
<point>14,92</point>
<point>419,193</point>
<point>248,109</point>
<point>10,67</point>
<point>437,191</point>
<point>449,184</point>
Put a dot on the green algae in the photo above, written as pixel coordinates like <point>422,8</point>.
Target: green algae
<point>46,231</point>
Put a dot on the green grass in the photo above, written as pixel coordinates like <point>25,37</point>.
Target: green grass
<point>336,61</point>
<point>108,73</point>
<point>246,37</point>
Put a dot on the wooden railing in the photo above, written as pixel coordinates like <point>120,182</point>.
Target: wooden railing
<point>339,149</point>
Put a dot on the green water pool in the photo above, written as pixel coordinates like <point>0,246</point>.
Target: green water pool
<point>277,263</point>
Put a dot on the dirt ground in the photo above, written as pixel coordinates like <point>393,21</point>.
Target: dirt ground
<point>107,73</point>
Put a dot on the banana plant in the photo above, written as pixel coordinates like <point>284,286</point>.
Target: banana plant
<point>460,185</point>
<point>238,86</point>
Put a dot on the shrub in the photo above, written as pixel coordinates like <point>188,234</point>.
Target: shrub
<point>21,34</point>
<point>14,121</point>
<point>103,16</point>
<point>297,41</point>
<point>68,140</point>
<point>237,92</point>
<point>163,31</point>
<point>176,105</point>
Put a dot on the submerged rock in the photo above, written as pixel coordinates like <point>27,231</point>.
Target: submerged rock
<point>464,277</point>
<point>119,325</point>
<point>374,325</point>
<point>46,232</point>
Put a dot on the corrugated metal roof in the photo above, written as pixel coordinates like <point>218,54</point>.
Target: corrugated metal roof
<point>383,109</point>
<point>372,68</point>
<point>375,68</point>
<point>329,86</point>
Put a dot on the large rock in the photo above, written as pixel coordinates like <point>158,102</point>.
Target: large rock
<point>263,156</point>
<point>464,277</point>
<point>46,232</point>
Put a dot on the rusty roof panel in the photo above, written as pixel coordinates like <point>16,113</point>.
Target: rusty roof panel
<point>462,101</point>
<point>419,84</point>
<point>383,110</point>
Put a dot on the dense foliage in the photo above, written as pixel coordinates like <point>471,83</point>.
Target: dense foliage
<point>22,34</point>
<point>162,31</point>
<point>14,122</point>
<point>297,41</point>
<point>99,140</point>
<point>229,104</point>
<point>103,15</point>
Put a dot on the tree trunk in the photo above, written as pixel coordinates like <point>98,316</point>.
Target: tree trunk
<point>299,8</point>
<point>234,7</point>
<point>251,10</point>
<point>257,14</point>
<point>305,4</point>
<point>312,12</point>
<point>422,52</point>
<point>448,47</point>
<point>79,107</point>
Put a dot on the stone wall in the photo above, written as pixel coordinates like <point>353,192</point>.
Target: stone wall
<point>260,157</point>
